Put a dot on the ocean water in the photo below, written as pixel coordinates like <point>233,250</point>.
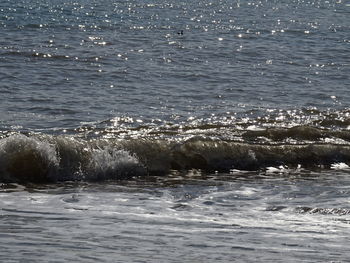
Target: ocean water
<point>174,131</point>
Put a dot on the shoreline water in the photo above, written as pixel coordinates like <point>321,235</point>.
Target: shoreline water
<point>194,131</point>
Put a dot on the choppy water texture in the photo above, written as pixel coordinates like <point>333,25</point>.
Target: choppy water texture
<point>174,131</point>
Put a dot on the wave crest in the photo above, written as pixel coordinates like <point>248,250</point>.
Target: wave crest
<point>49,159</point>
<point>27,159</point>
<point>45,158</point>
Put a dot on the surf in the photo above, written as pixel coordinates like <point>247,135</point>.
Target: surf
<point>42,158</point>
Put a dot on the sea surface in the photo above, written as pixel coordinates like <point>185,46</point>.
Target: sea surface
<point>174,131</point>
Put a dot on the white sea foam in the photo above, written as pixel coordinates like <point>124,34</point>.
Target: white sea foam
<point>278,170</point>
<point>340,166</point>
<point>114,163</point>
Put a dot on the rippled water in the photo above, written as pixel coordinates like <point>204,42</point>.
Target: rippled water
<point>177,131</point>
<point>64,63</point>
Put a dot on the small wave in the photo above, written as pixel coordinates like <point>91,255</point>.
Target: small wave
<point>27,159</point>
<point>34,54</point>
<point>323,211</point>
<point>50,159</point>
<point>288,126</point>
<point>298,134</point>
<point>47,158</point>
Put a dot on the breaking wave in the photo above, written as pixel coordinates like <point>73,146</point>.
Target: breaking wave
<point>50,159</point>
<point>47,158</point>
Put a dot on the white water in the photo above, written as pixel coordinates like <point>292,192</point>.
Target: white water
<point>187,218</point>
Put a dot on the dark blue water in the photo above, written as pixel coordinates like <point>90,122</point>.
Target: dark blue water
<point>174,131</point>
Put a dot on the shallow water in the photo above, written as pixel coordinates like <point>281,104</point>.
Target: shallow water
<point>188,218</point>
<point>196,131</point>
